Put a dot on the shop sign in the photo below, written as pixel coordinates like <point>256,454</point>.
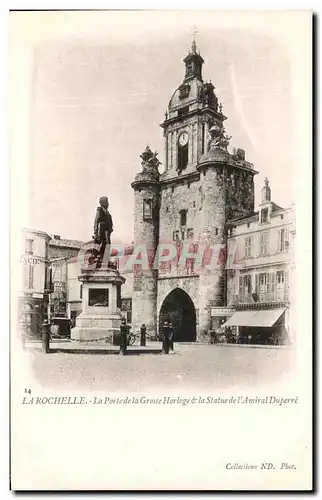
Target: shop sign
<point>221,311</point>
<point>25,259</point>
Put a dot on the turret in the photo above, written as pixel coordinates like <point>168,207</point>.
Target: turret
<point>146,234</point>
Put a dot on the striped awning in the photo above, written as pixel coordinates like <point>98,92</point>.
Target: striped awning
<point>266,317</point>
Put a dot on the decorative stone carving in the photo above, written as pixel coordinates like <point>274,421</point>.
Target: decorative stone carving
<point>150,159</point>
<point>218,137</point>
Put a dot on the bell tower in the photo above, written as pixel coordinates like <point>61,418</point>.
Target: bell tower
<point>203,186</point>
<point>193,109</point>
<point>194,64</point>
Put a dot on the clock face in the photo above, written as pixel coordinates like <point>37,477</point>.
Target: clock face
<point>183,139</point>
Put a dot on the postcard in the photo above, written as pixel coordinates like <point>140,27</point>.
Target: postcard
<point>161,310</point>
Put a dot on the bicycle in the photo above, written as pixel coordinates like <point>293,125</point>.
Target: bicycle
<point>133,337</point>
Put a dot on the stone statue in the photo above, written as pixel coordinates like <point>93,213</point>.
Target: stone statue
<point>103,227</point>
<point>218,137</point>
<point>150,159</point>
<point>103,224</point>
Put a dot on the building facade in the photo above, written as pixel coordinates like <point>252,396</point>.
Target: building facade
<point>34,263</point>
<point>202,188</point>
<point>61,247</point>
<point>260,274</point>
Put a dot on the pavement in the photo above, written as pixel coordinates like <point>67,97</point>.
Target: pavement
<point>70,365</point>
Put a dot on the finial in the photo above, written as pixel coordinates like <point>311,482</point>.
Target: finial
<point>193,45</point>
<point>266,182</point>
<point>220,108</point>
<point>166,115</point>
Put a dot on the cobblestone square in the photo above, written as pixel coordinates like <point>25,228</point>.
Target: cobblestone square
<point>191,367</point>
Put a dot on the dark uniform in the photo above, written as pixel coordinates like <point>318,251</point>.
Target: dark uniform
<point>124,329</point>
<point>103,227</point>
<point>165,337</point>
<point>171,333</point>
<point>143,335</point>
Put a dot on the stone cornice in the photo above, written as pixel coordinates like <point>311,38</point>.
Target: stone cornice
<point>144,182</point>
<point>191,114</point>
<point>195,176</point>
<point>178,277</point>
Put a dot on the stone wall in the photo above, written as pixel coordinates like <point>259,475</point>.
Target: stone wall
<point>239,192</point>
<point>184,196</point>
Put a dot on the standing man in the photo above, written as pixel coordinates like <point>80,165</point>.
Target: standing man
<point>124,329</point>
<point>143,335</point>
<point>171,333</point>
<point>165,337</point>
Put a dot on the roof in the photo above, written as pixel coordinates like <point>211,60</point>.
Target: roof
<point>66,243</point>
<point>244,218</point>
<point>36,231</point>
<point>276,207</point>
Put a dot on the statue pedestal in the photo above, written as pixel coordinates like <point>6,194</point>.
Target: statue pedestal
<point>101,315</point>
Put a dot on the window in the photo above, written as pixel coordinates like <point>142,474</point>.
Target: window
<point>203,138</point>
<point>248,246</point>
<point>217,231</point>
<point>282,240</point>
<point>183,111</point>
<point>184,91</point>
<point>265,282</point>
<point>263,243</point>
<point>172,190</point>
<point>29,248</point>
<point>81,292</point>
<point>28,277</point>
<point>175,235</point>
<point>264,215</point>
<point>182,235</point>
<point>280,278</point>
<point>190,233</point>
<point>245,285</point>
<point>147,209</point>
<point>183,217</point>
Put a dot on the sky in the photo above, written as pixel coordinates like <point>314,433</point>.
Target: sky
<point>96,88</point>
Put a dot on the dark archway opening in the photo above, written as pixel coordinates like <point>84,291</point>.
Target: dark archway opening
<point>179,309</point>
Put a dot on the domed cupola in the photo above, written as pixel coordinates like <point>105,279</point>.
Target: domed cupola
<point>193,93</point>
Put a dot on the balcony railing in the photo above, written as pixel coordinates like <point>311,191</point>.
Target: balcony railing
<point>251,298</point>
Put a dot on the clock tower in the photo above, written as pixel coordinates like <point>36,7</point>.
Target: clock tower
<point>202,188</point>
<point>192,110</point>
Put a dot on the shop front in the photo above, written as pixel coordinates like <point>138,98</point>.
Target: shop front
<point>260,326</point>
<point>219,317</point>
<point>31,312</point>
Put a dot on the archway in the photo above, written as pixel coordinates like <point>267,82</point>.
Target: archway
<point>180,310</point>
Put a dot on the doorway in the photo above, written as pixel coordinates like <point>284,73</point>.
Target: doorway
<point>179,309</point>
